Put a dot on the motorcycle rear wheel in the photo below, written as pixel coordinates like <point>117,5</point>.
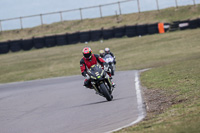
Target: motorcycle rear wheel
<point>105,92</point>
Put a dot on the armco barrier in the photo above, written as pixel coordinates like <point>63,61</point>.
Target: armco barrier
<point>141,29</point>
<point>119,32</point>
<point>73,38</point>
<point>107,34</point>
<point>183,25</point>
<point>4,47</point>
<point>85,36</point>
<point>61,39</point>
<point>96,35</point>
<point>38,42</point>
<point>50,41</point>
<point>27,44</point>
<point>130,31</point>
<point>15,45</point>
<point>194,23</point>
<point>152,28</point>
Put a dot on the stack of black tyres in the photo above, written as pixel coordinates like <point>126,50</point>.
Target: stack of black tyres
<point>107,34</point>
<point>73,38</point>
<point>27,44</point>
<point>61,40</point>
<point>50,41</point>
<point>166,26</point>
<point>96,35</point>
<point>15,45</point>
<point>85,36</point>
<point>174,26</point>
<point>152,28</point>
<point>183,25</point>
<point>195,23</point>
<point>130,31</point>
<point>38,42</point>
<point>141,29</point>
<point>4,47</point>
<point>119,32</point>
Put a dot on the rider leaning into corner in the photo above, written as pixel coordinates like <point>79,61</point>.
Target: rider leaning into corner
<point>107,51</point>
<point>87,61</point>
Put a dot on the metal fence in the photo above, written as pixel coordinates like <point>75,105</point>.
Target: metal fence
<point>100,11</point>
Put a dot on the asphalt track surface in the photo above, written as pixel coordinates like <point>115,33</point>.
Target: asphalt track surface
<point>63,105</point>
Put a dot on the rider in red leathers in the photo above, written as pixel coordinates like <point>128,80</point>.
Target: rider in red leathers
<point>87,61</point>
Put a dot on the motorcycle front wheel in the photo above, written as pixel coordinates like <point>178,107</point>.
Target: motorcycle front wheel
<point>105,92</point>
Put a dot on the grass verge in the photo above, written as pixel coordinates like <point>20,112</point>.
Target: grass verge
<point>173,97</point>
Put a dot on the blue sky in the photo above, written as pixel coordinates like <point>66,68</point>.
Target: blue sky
<point>17,8</point>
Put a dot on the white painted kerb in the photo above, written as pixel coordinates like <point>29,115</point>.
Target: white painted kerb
<point>141,110</point>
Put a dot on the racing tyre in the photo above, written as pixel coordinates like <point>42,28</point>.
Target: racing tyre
<point>105,92</point>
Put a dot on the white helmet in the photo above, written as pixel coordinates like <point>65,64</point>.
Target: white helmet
<point>107,50</point>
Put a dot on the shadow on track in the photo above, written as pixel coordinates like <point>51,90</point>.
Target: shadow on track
<point>100,102</point>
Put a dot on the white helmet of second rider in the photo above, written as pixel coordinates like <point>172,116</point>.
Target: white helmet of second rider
<point>107,50</point>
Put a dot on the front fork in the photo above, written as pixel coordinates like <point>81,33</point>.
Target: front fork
<point>96,89</point>
<point>108,81</point>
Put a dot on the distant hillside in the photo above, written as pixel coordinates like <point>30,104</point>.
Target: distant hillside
<point>165,15</point>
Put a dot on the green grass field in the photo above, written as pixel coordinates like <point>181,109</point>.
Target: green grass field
<point>173,80</point>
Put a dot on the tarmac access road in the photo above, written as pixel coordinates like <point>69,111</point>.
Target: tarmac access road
<point>63,105</point>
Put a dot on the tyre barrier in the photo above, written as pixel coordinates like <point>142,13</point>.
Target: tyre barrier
<point>174,26</point>
<point>166,26</point>
<point>119,32</point>
<point>4,47</point>
<point>85,36</point>
<point>183,25</point>
<point>50,41</point>
<point>27,44</point>
<point>141,29</point>
<point>152,28</point>
<point>61,40</point>
<point>96,35</point>
<point>130,31</point>
<point>107,34</point>
<point>15,45</point>
<point>73,38</point>
<point>38,42</point>
<point>194,23</point>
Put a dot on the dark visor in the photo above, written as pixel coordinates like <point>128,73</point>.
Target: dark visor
<point>87,55</point>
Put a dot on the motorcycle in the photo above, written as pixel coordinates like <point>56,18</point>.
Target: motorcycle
<point>100,81</point>
<point>110,60</point>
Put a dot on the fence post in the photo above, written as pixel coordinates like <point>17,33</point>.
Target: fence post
<point>120,12</point>
<point>0,26</point>
<point>100,11</point>
<point>61,18</point>
<point>41,19</point>
<point>21,24</point>
<point>81,14</point>
<point>176,3</point>
<point>138,2</point>
<point>194,2</point>
<point>157,5</point>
